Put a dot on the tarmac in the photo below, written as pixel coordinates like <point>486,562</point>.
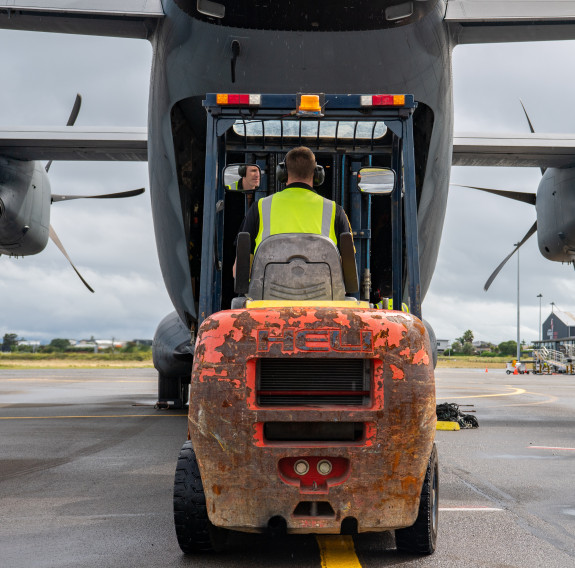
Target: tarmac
<point>87,467</point>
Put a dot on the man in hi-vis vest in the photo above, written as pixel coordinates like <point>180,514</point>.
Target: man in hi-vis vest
<point>298,208</point>
<point>249,180</point>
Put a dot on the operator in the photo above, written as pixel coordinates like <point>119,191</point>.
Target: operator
<point>250,179</point>
<point>298,208</point>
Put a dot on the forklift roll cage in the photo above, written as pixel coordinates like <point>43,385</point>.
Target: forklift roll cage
<point>221,140</point>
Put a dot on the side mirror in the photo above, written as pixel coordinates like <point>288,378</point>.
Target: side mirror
<point>376,181</point>
<point>242,177</point>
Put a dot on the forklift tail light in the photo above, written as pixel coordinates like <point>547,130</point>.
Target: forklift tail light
<point>382,100</point>
<point>234,99</point>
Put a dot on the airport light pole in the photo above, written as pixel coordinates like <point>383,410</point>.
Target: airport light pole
<point>518,338</point>
<point>540,296</point>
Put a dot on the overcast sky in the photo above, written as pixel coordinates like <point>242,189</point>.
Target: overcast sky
<point>112,242</point>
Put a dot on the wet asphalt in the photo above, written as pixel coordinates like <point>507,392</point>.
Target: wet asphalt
<point>87,466</point>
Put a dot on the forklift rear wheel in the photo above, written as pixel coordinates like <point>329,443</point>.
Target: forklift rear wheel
<point>194,530</point>
<point>421,537</point>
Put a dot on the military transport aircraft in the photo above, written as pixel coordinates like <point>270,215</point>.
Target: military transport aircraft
<point>248,46</point>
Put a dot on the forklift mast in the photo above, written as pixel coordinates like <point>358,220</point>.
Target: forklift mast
<point>346,133</point>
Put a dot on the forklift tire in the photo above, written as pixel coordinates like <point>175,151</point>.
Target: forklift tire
<point>421,537</point>
<point>194,530</point>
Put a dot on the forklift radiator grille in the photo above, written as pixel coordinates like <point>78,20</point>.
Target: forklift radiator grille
<point>313,382</point>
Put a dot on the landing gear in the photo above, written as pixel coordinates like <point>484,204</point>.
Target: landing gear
<point>173,392</point>
<point>421,537</point>
<point>194,530</point>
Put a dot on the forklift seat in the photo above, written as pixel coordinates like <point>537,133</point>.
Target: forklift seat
<point>302,266</point>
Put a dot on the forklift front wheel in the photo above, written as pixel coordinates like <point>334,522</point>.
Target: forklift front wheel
<point>194,530</point>
<point>421,537</point>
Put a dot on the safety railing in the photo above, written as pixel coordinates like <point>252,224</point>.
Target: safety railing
<point>551,357</point>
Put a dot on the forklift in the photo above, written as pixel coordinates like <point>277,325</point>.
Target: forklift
<point>312,410</point>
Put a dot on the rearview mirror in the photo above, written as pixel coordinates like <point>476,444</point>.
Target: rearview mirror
<point>242,177</point>
<point>376,181</point>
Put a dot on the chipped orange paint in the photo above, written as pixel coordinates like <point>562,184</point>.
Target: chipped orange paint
<point>421,357</point>
<point>405,353</point>
<point>396,332</point>
<point>398,374</point>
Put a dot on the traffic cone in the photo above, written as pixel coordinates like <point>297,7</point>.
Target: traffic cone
<point>486,370</point>
<point>516,372</point>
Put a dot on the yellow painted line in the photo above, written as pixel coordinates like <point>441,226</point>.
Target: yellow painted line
<point>91,416</point>
<point>514,392</point>
<point>337,551</point>
<point>445,425</point>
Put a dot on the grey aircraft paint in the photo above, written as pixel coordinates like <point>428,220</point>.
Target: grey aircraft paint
<point>24,207</point>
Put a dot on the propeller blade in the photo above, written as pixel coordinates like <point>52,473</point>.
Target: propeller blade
<point>516,195</point>
<point>530,128</point>
<point>71,120</point>
<point>57,242</point>
<point>75,110</point>
<point>119,195</point>
<point>528,235</point>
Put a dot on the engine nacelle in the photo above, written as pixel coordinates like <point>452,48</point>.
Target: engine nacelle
<point>25,198</point>
<point>556,215</point>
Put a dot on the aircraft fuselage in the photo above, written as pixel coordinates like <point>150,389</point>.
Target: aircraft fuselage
<point>193,57</point>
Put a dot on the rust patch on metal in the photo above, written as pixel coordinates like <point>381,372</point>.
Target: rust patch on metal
<point>387,446</point>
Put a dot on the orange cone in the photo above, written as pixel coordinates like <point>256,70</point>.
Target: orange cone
<point>486,370</point>
<point>516,372</point>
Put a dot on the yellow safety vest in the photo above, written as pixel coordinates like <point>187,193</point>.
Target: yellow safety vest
<point>296,210</point>
<point>387,304</point>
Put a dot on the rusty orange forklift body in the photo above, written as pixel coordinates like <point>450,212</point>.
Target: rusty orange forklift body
<point>310,410</point>
<point>313,415</point>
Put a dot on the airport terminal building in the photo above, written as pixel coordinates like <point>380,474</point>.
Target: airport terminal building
<point>558,330</point>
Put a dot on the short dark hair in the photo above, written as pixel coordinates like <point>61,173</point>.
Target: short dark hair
<point>300,162</point>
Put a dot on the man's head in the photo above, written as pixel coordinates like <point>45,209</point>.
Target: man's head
<point>252,178</point>
<point>300,164</point>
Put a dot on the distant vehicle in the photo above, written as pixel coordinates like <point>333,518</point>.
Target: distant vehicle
<point>512,365</point>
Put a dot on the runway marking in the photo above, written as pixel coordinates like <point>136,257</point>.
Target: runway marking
<point>515,392</point>
<point>474,509</point>
<point>92,416</point>
<point>337,551</point>
<point>551,448</point>
<point>79,379</point>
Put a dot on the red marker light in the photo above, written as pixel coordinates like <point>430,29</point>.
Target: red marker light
<point>236,99</point>
<point>382,100</point>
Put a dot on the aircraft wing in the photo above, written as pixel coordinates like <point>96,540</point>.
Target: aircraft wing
<point>500,21</point>
<point>527,150</point>
<point>117,18</point>
<point>75,143</point>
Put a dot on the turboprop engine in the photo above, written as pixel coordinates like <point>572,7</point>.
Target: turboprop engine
<point>555,224</point>
<point>25,200</point>
<point>25,197</point>
<point>555,204</point>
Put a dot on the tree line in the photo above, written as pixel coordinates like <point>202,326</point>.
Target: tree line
<point>58,345</point>
<point>464,346</point>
